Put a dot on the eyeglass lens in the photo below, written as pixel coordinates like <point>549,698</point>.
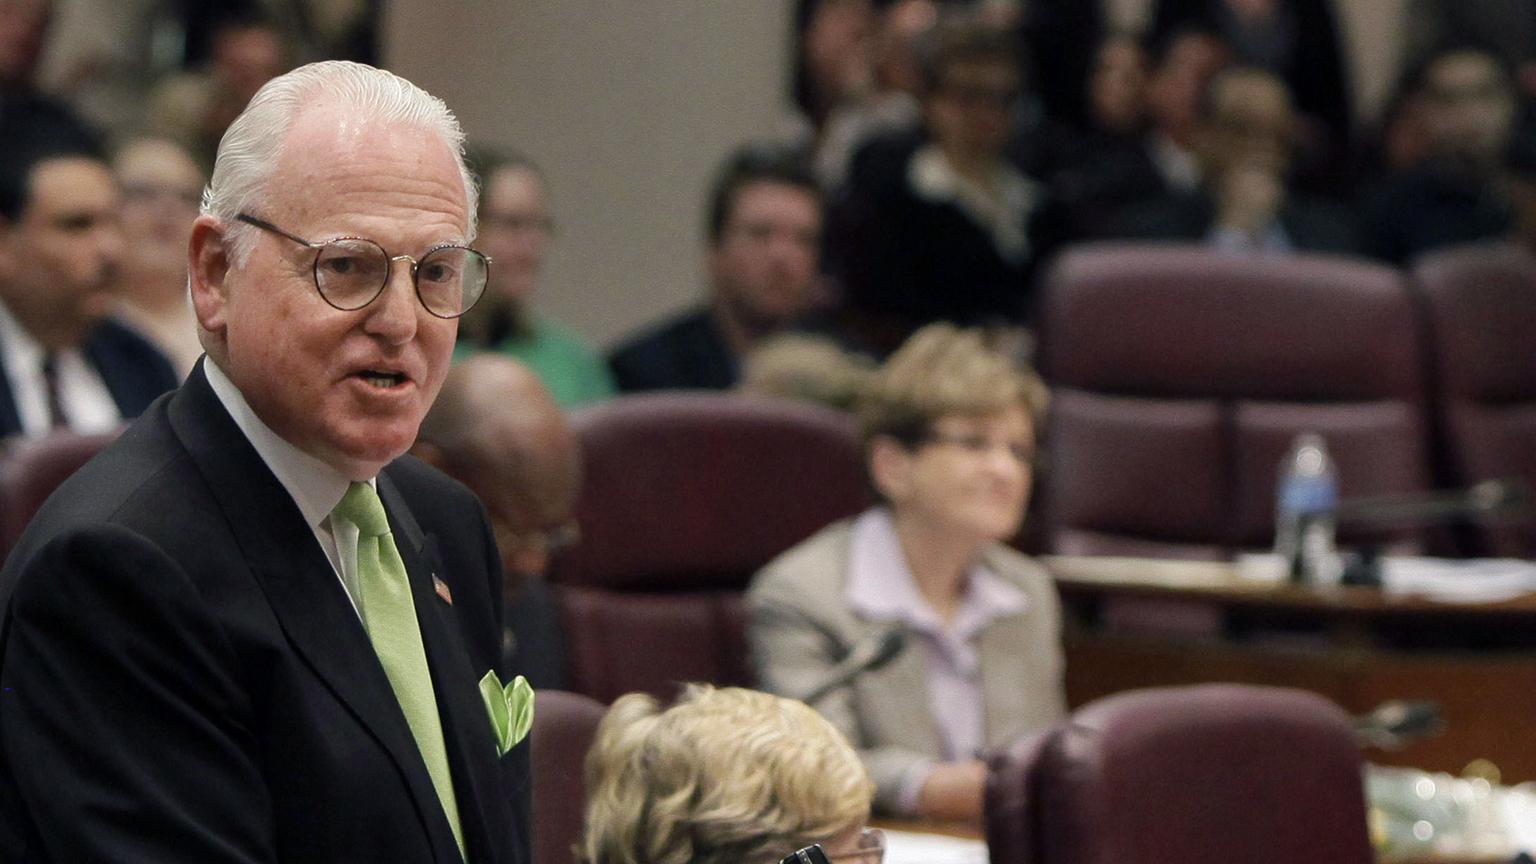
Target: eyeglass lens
<point>350,273</point>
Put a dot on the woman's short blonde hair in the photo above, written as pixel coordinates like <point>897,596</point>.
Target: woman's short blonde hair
<point>724,776</point>
<point>944,370</point>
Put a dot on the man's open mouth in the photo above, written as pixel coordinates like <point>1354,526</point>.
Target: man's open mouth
<point>382,380</point>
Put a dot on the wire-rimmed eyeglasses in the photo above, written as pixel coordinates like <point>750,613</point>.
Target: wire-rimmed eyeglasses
<point>351,272</point>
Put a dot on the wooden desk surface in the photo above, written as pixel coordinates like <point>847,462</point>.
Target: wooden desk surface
<point>1220,582</point>
<point>971,831</point>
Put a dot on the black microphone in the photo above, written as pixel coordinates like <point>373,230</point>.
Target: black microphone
<point>866,655</point>
<point>1490,497</point>
<point>1394,724</point>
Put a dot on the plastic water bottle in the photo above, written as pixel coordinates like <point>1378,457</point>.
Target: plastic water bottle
<point>1306,504</point>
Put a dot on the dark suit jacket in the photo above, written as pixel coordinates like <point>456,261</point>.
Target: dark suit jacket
<point>684,353</point>
<point>182,677</point>
<point>1311,225</point>
<point>134,371</point>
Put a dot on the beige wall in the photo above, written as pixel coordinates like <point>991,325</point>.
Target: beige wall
<point>627,104</point>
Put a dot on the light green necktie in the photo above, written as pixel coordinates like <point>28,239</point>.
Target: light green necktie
<point>389,614</point>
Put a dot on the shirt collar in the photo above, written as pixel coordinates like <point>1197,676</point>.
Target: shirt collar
<point>314,486</point>
<point>933,178</point>
<point>20,348</point>
<point>880,584</point>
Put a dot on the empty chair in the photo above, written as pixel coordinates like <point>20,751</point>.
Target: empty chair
<point>1481,304</point>
<point>685,496</point>
<point>32,469</point>
<point>1198,775</point>
<point>563,727</point>
<point>1181,376</point>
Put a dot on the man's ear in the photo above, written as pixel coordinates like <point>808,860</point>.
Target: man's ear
<point>890,468</point>
<point>208,266</point>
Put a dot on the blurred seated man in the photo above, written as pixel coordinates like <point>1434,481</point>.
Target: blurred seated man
<point>764,228</point>
<point>728,776</point>
<point>1466,103</point>
<point>496,429</point>
<point>162,187</point>
<point>61,242</point>
<point>1245,140</point>
<point>949,434</point>
<point>515,231</point>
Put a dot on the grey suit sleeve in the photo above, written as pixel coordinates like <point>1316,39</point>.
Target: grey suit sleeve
<point>794,647</point>
<point>125,722</point>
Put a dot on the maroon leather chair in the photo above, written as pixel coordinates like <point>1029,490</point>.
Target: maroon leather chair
<point>563,727</point>
<point>31,469</point>
<point>1481,305</point>
<point>1213,774</point>
<point>685,496</point>
<point>1181,376</point>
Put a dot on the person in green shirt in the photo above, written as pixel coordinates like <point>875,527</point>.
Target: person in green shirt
<point>515,231</point>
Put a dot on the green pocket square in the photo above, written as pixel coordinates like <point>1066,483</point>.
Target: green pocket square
<point>510,707</point>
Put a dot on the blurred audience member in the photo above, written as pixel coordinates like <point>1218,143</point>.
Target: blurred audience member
<point>834,55</point>
<point>515,230</point>
<point>1160,161</point>
<point>496,429</point>
<point>1467,106</point>
<point>1298,40</point>
<point>727,776</point>
<point>946,229</point>
<point>949,430</point>
<point>161,188</point>
<point>194,108</point>
<point>807,367</point>
<point>60,247</point>
<point>312,29</point>
<point>889,105</point>
<point>1247,135</point>
<point>24,28</point>
<point>1504,27</point>
<point>764,229</point>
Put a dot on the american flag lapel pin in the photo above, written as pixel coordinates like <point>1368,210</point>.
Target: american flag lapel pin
<point>441,588</point>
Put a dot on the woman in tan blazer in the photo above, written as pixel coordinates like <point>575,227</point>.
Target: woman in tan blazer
<point>949,439</point>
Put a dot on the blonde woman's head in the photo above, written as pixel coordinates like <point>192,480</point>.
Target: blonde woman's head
<point>949,433</point>
<point>724,776</point>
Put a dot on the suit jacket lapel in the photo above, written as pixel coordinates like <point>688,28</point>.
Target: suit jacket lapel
<point>1003,677</point>
<point>302,588</point>
<point>466,725</point>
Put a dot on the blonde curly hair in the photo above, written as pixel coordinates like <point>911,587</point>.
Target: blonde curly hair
<point>723,776</point>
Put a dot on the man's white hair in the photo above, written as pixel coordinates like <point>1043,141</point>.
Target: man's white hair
<point>250,148</point>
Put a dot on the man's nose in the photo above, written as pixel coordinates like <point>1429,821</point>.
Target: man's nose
<point>393,315</point>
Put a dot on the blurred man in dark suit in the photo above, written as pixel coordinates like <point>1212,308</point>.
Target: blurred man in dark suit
<point>62,364</point>
<point>1245,139</point>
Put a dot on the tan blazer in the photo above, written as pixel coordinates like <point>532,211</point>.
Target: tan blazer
<point>800,626</point>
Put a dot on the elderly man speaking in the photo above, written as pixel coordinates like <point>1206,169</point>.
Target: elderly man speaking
<point>249,631</point>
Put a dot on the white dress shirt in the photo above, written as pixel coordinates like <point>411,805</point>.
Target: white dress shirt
<point>314,486</point>
<point>84,399</point>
